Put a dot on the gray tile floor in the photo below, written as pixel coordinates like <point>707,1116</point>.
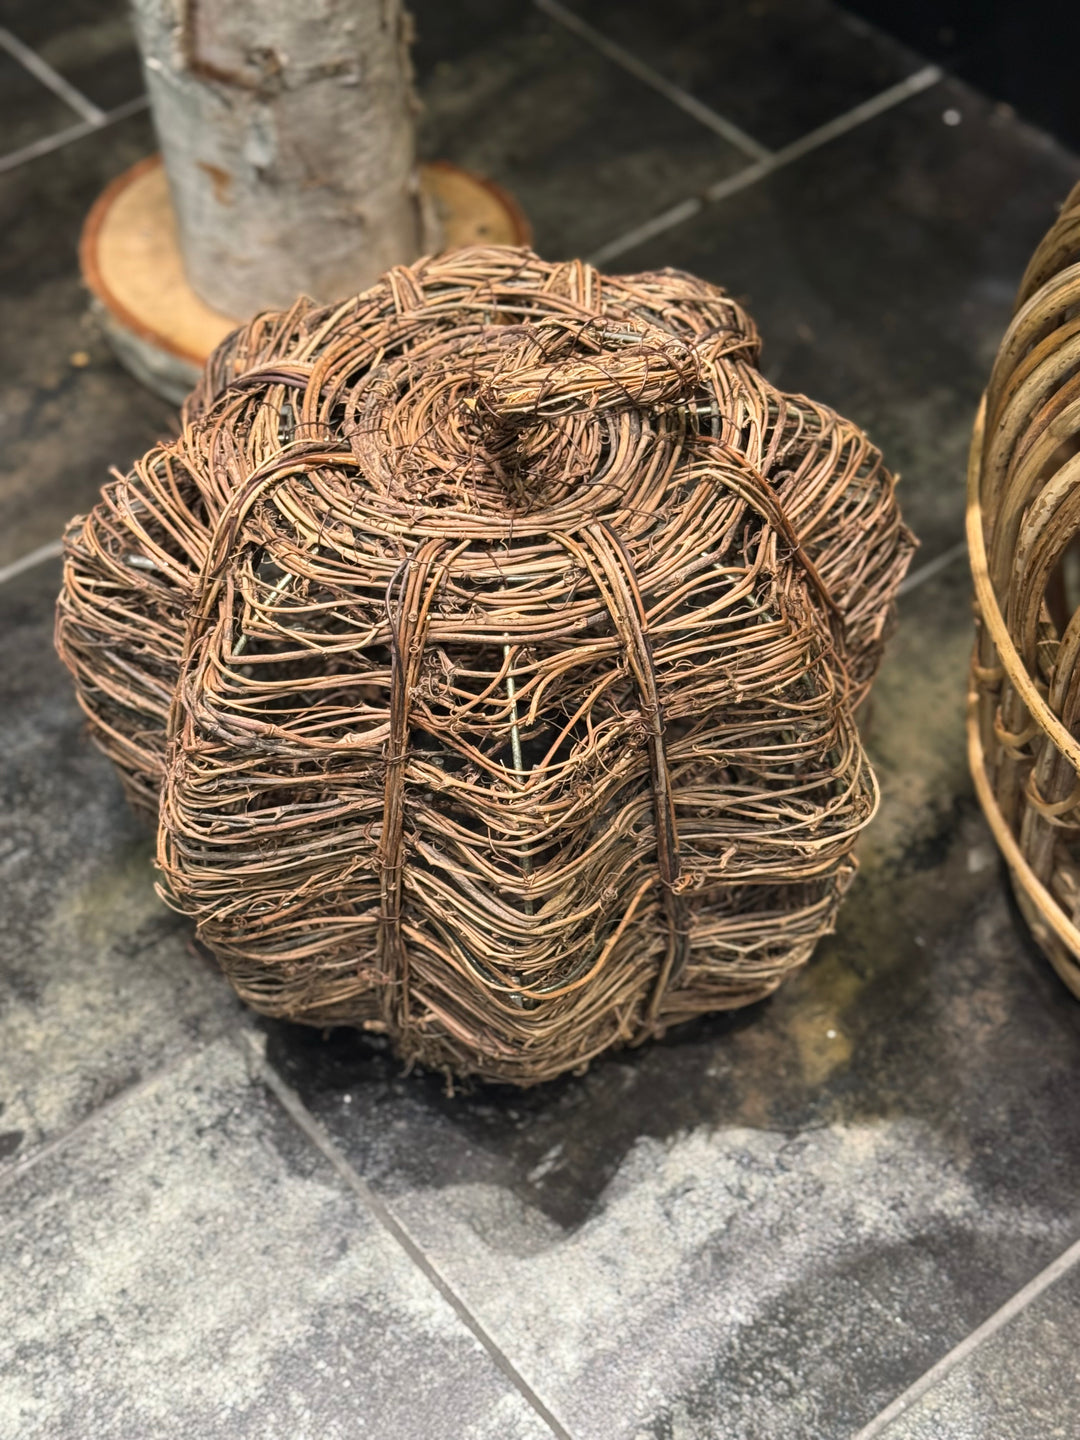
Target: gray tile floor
<point>845,1212</point>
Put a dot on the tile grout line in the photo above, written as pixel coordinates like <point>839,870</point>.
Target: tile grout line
<point>41,70</point>
<point>310,1127</point>
<point>52,550</point>
<point>850,120</point>
<point>878,104</point>
<point>932,567</point>
<point>629,62</point>
<point>11,1173</point>
<point>1000,1318</point>
<point>60,138</point>
<point>247,1041</point>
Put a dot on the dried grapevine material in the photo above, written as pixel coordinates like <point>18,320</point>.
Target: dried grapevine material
<point>488,648</point>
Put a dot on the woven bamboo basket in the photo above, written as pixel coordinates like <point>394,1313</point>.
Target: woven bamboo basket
<point>1023,523</point>
<point>486,650</point>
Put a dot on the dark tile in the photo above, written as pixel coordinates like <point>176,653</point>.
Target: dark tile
<point>35,23</point>
<point>778,69</point>
<point>1018,1385</point>
<point>188,1266</point>
<point>68,410</point>
<point>28,109</point>
<point>89,42</point>
<point>97,55</point>
<point>447,34</point>
<point>725,1227</point>
<point>587,150</point>
<point>99,983</point>
<point>1000,49</point>
<point>913,731</point>
<point>881,270</point>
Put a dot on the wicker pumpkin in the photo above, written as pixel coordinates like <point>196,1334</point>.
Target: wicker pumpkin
<point>487,648</point>
<point>1023,527</point>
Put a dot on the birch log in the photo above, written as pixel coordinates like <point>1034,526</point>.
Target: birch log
<point>287,132</point>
